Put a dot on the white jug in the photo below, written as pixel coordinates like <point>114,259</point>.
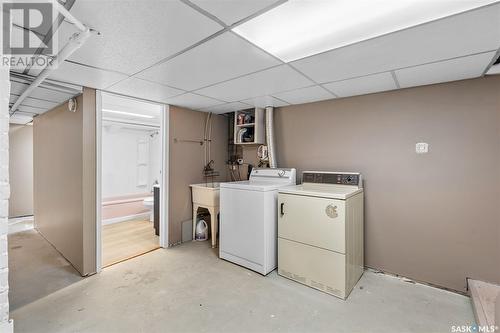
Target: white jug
<point>201,233</point>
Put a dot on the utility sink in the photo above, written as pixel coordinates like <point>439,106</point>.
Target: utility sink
<point>206,194</point>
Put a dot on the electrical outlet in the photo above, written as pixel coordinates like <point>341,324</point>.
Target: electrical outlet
<point>421,148</point>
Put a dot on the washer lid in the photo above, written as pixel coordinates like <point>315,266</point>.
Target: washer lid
<point>340,192</point>
<point>254,185</point>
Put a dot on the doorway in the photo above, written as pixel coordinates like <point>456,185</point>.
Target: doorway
<point>131,175</point>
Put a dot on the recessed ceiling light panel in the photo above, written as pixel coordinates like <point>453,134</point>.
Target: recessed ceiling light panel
<point>300,28</point>
<point>128,114</point>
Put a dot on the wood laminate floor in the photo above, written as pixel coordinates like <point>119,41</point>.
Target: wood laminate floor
<point>125,240</point>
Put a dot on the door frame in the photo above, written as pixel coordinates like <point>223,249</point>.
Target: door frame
<point>164,195</point>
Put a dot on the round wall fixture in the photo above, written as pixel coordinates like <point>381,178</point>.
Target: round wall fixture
<point>72,105</point>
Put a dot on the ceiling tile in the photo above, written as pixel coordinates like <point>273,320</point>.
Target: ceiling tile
<point>144,89</point>
<point>30,109</point>
<point>130,104</point>
<point>17,88</point>
<point>362,85</point>
<point>40,103</point>
<point>232,11</point>
<point>20,119</point>
<point>52,95</point>
<point>444,71</point>
<point>227,107</point>
<point>263,83</point>
<point>58,97</point>
<point>472,32</point>
<point>193,101</point>
<point>85,76</point>
<point>264,101</point>
<point>136,34</point>
<point>305,95</point>
<point>222,58</point>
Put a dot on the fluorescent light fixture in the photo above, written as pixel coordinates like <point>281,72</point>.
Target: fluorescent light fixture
<point>301,28</point>
<point>128,113</point>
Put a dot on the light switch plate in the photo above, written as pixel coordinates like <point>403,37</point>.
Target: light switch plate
<point>421,148</point>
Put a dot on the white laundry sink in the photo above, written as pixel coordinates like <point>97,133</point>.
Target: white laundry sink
<point>206,194</point>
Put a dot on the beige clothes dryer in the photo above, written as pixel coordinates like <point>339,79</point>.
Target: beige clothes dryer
<point>320,231</point>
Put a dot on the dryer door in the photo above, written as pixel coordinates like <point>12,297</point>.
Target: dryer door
<point>314,221</point>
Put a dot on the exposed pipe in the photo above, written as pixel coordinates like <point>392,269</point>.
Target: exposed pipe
<point>205,133</point>
<point>64,12</point>
<point>270,136</point>
<point>74,43</point>
<point>209,143</point>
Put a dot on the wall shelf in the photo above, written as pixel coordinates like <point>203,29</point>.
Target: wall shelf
<point>249,128</point>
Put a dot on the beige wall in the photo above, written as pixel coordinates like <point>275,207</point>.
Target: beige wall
<point>186,161</point>
<point>432,217</point>
<point>21,170</point>
<point>64,180</point>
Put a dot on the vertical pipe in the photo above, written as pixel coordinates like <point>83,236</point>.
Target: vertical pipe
<point>270,136</point>
<point>210,138</point>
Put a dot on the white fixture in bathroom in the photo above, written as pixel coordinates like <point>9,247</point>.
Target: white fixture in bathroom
<point>149,204</point>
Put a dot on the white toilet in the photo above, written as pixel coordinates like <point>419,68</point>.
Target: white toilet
<point>149,204</point>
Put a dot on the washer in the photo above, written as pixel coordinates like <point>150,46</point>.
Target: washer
<point>320,231</point>
<point>248,218</point>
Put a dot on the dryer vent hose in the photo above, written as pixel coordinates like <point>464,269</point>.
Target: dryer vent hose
<point>270,136</point>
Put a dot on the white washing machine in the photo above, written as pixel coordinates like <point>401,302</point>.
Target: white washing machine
<point>320,231</point>
<point>248,217</point>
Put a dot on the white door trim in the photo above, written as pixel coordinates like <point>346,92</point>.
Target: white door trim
<point>98,179</point>
<point>164,195</point>
<point>164,130</point>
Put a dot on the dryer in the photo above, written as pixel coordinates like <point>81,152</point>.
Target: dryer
<point>320,231</point>
<point>248,218</point>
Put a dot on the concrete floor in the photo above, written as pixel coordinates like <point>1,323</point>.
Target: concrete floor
<point>188,289</point>
<point>36,269</point>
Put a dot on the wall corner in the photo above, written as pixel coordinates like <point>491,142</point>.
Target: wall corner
<point>6,325</point>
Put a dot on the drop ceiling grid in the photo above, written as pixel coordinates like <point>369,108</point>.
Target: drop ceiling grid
<point>203,41</point>
<point>408,47</point>
<point>220,59</point>
<point>264,101</point>
<point>444,71</point>
<point>394,78</point>
<point>226,13</point>
<point>305,95</point>
<point>153,27</point>
<point>363,85</point>
<point>261,83</point>
<point>226,29</point>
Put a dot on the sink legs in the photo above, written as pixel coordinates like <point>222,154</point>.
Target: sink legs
<point>214,212</point>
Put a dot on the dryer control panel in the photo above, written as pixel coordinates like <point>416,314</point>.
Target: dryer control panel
<point>334,178</point>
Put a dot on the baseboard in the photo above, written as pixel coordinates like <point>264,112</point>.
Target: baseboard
<point>126,218</point>
<point>17,219</point>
